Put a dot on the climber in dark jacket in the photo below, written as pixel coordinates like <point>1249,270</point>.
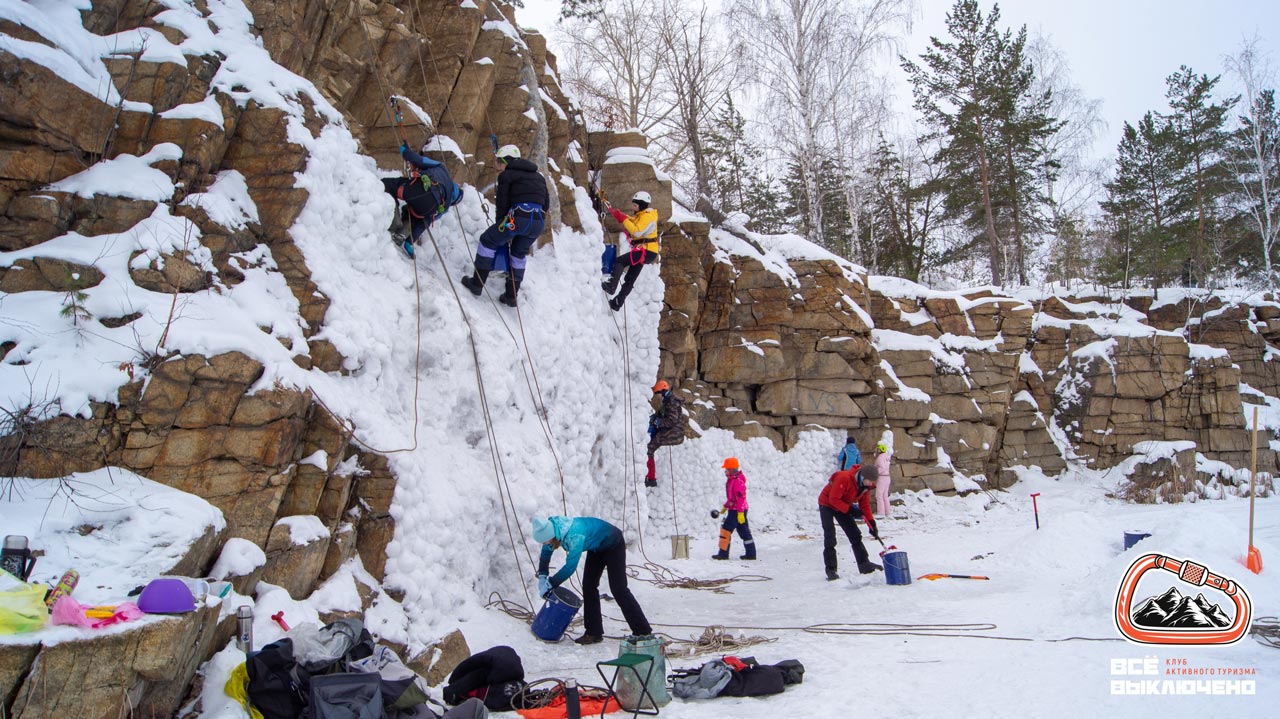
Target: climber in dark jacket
<point>666,426</point>
<point>521,204</point>
<point>428,192</point>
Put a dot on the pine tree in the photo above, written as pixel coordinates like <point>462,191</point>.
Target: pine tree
<point>836,232</point>
<point>1202,139</point>
<point>1147,206</point>
<point>766,205</point>
<point>731,159</point>
<point>975,91</point>
<point>904,207</point>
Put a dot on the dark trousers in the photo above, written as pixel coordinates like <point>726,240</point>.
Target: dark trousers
<point>417,225</point>
<point>629,266</point>
<point>613,559</point>
<point>729,525</point>
<point>518,237</point>
<point>829,518</point>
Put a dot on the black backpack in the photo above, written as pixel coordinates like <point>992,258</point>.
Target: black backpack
<point>278,687</point>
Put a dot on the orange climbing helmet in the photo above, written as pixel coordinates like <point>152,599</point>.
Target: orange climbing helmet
<point>661,386</point>
<point>730,463</point>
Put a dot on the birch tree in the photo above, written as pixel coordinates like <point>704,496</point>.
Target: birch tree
<point>1255,156</point>
<point>805,56</point>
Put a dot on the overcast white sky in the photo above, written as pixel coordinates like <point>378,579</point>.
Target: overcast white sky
<point>1120,50</point>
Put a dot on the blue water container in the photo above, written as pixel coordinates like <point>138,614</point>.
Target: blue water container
<point>1132,538</point>
<point>556,614</point>
<point>896,568</point>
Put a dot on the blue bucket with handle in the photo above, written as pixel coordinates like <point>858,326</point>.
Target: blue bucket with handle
<point>556,614</point>
<point>1132,538</point>
<point>897,570</point>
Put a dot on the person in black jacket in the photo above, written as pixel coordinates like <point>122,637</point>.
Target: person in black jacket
<point>427,193</point>
<point>519,219</point>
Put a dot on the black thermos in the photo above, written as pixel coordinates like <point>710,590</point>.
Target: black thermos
<point>16,558</point>
<point>571,704</point>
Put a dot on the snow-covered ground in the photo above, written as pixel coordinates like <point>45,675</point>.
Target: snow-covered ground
<point>1045,586</point>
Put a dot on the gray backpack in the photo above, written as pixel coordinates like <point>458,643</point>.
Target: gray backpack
<point>704,683</point>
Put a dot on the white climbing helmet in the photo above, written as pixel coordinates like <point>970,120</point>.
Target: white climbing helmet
<point>642,196</point>
<point>507,152</point>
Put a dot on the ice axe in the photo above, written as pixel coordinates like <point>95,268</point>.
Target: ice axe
<point>934,576</point>
<point>1035,508</point>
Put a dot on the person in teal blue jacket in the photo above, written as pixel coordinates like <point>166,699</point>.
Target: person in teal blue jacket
<point>849,455</point>
<point>606,550</point>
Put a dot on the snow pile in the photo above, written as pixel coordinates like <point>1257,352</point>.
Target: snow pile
<point>117,529</point>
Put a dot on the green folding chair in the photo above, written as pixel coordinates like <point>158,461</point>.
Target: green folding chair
<point>644,701</point>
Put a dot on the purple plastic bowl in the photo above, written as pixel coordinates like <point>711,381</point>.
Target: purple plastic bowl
<point>166,596</point>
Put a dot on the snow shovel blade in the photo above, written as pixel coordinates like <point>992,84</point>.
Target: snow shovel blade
<point>932,577</point>
<point>1254,561</point>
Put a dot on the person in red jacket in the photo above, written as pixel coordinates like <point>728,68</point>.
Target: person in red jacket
<point>845,490</point>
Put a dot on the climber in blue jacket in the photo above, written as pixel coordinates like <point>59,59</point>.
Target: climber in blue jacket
<point>849,455</point>
<point>427,193</point>
<point>606,550</point>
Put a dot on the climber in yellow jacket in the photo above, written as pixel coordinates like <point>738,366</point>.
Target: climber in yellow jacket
<point>642,231</point>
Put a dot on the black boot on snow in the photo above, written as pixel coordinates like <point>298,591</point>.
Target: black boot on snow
<point>474,284</point>
<point>869,567</point>
<point>832,575</point>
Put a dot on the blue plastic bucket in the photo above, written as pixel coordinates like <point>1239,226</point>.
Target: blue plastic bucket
<point>1132,538</point>
<point>556,614</point>
<point>896,568</point>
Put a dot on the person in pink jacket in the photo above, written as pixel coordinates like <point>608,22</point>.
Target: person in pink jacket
<point>734,511</point>
<point>883,455</point>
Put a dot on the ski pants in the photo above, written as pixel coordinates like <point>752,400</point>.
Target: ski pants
<point>407,214</point>
<point>517,231</point>
<point>727,528</point>
<point>614,560</point>
<point>830,518</point>
<point>629,266</point>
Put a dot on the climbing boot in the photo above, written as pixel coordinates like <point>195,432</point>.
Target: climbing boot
<point>589,639</point>
<point>615,303</point>
<point>722,554</point>
<point>475,283</point>
<point>868,567</point>
<point>407,246</point>
<point>832,575</point>
<point>508,296</point>
<point>610,285</point>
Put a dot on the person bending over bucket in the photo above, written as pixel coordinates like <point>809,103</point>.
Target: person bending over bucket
<point>606,550</point>
<point>845,490</point>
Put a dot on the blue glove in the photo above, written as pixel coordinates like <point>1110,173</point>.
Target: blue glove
<point>544,585</point>
<point>404,150</point>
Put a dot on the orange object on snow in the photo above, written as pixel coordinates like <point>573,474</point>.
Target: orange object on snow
<point>556,709</point>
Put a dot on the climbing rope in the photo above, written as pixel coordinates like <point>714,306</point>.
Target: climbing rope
<point>1267,631</point>
<point>535,389</point>
<point>666,578</point>
<point>505,495</point>
<point>713,640</point>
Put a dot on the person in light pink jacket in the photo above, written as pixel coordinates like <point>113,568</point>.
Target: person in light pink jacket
<point>883,455</point>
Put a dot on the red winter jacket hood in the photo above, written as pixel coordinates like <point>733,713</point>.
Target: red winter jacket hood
<point>841,493</point>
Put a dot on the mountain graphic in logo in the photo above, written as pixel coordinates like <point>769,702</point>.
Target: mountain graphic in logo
<point>1171,609</point>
